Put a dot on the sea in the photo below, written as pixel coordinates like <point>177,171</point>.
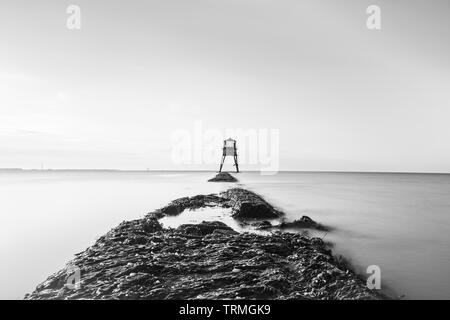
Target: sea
<point>399,223</point>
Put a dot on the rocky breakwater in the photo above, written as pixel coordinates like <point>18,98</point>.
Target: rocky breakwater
<point>223,177</point>
<point>140,259</point>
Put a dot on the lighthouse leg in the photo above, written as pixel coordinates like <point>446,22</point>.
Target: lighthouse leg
<point>221,163</point>
<point>236,163</point>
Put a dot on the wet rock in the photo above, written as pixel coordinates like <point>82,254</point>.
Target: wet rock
<point>304,222</point>
<point>205,228</point>
<point>208,261</point>
<point>172,209</point>
<point>244,204</point>
<point>248,205</point>
<point>262,225</point>
<point>224,232</point>
<point>140,259</point>
<point>151,225</point>
<point>179,205</point>
<point>223,177</point>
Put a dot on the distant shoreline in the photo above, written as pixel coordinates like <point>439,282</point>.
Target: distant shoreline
<point>206,171</point>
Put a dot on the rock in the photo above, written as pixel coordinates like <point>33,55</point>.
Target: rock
<point>304,222</point>
<point>245,205</point>
<point>224,232</point>
<point>151,225</point>
<point>223,177</point>
<point>179,205</point>
<point>204,228</point>
<point>261,225</point>
<point>248,205</point>
<point>172,265</point>
<point>172,210</point>
<point>140,259</point>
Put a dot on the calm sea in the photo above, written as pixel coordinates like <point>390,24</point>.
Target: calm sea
<point>399,222</point>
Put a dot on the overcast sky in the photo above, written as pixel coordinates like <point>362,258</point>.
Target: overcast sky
<point>111,94</point>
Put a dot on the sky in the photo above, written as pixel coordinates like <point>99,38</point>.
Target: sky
<point>141,80</point>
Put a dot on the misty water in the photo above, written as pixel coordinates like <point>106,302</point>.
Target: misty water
<point>400,222</point>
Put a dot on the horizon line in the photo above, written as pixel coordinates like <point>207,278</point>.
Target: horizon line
<point>176,170</point>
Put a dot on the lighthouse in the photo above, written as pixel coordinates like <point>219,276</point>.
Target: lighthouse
<point>229,149</point>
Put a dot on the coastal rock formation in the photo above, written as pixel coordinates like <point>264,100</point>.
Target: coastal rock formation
<point>141,260</point>
<point>302,223</point>
<point>248,205</point>
<point>244,204</point>
<point>199,201</point>
<point>223,177</point>
<point>261,225</point>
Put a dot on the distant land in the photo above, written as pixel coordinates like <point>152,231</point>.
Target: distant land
<point>167,170</point>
